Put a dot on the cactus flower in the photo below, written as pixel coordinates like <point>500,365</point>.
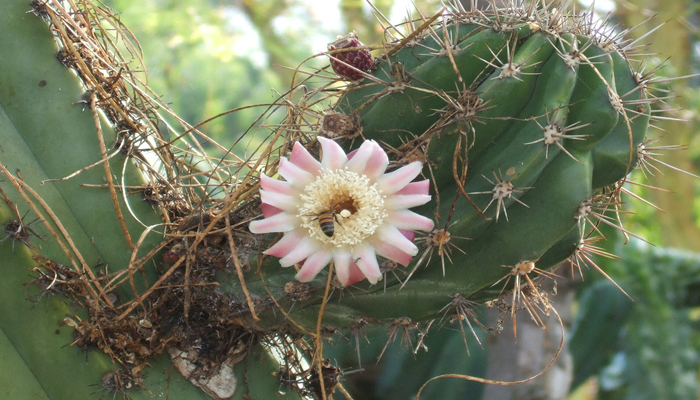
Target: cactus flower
<point>344,209</point>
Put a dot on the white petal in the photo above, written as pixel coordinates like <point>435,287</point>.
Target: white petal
<point>302,159</point>
<point>284,246</point>
<point>366,259</point>
<point>391,235</point>
<point>358,162</point>
<point>376,165</point>
<point>281,222</point>
<point>410,221</point>
<point>334,156</point>
<point>296,176</point>
<point>313,265</point>
<point>396,180</point>
<point>405,201</point>
<point>289,204</point>
<point>275,185</point>
<point>304,249</point>
<point>342,260</point>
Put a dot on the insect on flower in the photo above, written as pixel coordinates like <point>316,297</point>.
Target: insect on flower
<point>343,209</point>
<point>328,218</point>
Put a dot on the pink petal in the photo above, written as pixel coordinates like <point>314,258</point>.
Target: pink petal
<point>376,165</point>
<point>410,235</point>
<point>333,155</point>
<point>269,210</point>
<point>313,265</point>
<point>358,158</point>
<point>342,260</point>
<point>420,187</point>
<point>396,180</point>
<point>296,176</point>
<point>410,221</point>
<point>290,204</point>
<point>302,159</point>
<point>285,245</point>
<point>275,185</point>
<point>388,251</point>
<point>391,235</point>
<point>405,201</point>
<point>305,248</point>
<point>281,222</point>
<point>366,260</point>
<point>356,275</point>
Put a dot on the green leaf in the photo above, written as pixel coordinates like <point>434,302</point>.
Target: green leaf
<point>603,311</point>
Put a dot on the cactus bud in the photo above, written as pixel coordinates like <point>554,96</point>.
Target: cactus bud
<point>350,64</point>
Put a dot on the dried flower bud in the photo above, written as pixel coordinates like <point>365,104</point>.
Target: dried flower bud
<point>351,63</point>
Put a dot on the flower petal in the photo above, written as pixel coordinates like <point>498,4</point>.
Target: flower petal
<point>404,201</point>
<point>391,235</point>
<point>410,221</point>
<point>284,246</point>
<point>396,180</point>
<point>306,247</point>
<point>366,259</point>
<point>290,204</point>
<point>410,235</point>
<point>333,155</point>
<point>358,158</point>
<point>420,187</point>
<point>342,260</point>
<point>377,163</point>
<point>388,251</point>
<point>296,176</point>
<point>281,222</point>
<point>275,185</point>
<point>313,265</point>
<point>302,159</point>
<point>269,210</point>
<point>356,274</point>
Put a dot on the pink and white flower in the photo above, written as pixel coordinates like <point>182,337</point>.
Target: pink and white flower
<point>370,208</point>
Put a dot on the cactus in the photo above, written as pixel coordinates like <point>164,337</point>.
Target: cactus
<point>524,134</point>
<point>524,123</point>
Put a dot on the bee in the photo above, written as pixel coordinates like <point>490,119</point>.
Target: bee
<point>327,219</point>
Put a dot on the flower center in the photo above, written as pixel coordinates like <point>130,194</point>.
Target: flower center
<point>341,208</point>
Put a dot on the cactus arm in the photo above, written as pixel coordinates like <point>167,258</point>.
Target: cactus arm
<point>45,135</point>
